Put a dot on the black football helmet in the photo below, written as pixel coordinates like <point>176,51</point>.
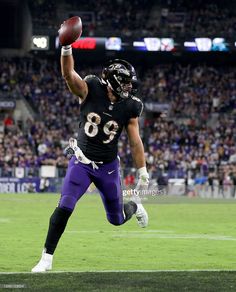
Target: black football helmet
<point>121,77</point>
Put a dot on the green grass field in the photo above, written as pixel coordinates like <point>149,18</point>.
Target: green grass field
<point>184,234</point>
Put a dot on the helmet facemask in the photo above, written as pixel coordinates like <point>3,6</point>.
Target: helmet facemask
<point>119,77</point>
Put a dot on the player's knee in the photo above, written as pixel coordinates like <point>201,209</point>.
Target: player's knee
<point>116,223</point>
<point>67,202</point>
<point>115,219</point>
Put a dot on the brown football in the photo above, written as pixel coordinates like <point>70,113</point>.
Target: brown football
<point>70,31</point>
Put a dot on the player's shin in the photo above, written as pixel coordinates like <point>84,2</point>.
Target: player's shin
<point>57,224</point>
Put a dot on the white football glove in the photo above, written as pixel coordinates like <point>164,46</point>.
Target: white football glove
<point>143,179</point>
<point>69,151</point>
<point>78,152</point>
<point>73,143</point>
<point>142,184</point>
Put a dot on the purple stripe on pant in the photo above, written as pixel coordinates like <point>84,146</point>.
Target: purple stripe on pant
<point>107,180</point>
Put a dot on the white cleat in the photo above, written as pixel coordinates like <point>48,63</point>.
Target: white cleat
<point>142,216</point>
<point>45,263</point>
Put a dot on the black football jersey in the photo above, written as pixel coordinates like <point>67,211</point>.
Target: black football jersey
<point>101,121</point>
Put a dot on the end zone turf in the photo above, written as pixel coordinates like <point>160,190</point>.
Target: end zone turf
<point>122,281</point>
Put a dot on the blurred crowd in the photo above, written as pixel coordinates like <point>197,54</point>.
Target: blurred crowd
<point>197,135</point>
<point>101,17</point>
<point>192,90</point>
<point>43,14</point>
<point>178,148</point>
<point>139,17</point>
<point>196,18</point>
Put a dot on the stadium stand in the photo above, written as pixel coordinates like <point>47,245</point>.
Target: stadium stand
<point>199,18</point>
<point>194,136</point>
<point>139,17</point>
<point>175,145</point>
<point>119,17</point>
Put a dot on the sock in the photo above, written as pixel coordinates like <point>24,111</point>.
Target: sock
<point>129,208</point>
<point>57,225</point>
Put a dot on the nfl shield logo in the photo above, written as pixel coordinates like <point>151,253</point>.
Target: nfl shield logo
<point>110,107</point>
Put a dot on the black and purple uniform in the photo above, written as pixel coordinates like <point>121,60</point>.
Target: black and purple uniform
<point>100,125</point>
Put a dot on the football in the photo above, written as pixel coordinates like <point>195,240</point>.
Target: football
<point>70,31</point>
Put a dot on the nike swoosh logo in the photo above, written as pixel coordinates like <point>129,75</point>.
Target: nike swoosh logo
<point>110,172</point>
<point>107,114</point>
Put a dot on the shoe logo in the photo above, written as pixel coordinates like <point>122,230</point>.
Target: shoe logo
<point>110,172</point>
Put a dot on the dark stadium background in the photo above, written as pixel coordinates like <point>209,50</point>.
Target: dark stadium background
<point>184,53</point>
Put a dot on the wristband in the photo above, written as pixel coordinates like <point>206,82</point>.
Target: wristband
<point>143,171</point>
<point>66,50</point>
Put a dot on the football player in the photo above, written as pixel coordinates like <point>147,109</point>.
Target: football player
<point>107,105</point>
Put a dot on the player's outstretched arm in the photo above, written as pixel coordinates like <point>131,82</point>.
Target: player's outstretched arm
<point>136,143</point>
<point>73,80</point>
<point>137,151</point>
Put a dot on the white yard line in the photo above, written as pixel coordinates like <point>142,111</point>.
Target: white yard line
<point>118,232</point>
<point>160,234</point>
<point>123,271</point>
<point>178,236</point>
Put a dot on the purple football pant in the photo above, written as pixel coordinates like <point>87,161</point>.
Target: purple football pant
<point>107,180</point>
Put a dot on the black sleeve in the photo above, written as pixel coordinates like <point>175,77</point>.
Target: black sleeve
<point>93,83</point>
<point>137,107</point>
<point>91,80</point>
